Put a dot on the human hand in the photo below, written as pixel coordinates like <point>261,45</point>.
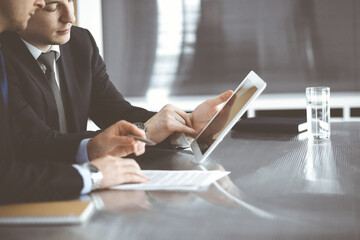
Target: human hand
<point>117,171</point>
<point>206,110</point>
<point>220,121</point>
<point>114,141</point>
<point>167,121</point>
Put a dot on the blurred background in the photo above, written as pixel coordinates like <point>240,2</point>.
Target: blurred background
<point>185,51</point>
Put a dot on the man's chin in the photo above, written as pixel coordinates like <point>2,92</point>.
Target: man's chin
<point>62,40</point>
<point>19,27</point>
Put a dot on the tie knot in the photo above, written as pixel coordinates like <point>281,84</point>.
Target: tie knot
<point>48,60</point>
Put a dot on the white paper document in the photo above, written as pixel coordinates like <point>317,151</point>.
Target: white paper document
<point>188,180</point>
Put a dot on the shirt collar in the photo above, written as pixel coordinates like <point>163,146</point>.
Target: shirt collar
<point>37,52</point>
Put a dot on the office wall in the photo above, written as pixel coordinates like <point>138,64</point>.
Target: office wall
<point>89,16</point>
<point>202,47</point>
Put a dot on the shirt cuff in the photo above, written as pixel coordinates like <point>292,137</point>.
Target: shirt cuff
<point>86,176</point>
<point>81,155</point>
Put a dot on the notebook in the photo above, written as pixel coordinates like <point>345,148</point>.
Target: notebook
<point>60,212</point>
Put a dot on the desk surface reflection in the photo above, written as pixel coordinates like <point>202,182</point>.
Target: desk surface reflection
<point>280,187</point>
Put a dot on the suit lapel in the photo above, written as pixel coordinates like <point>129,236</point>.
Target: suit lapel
<point>37,76</point>
<point>74,101</point>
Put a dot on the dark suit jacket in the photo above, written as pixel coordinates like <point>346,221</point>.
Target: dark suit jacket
<point>87,92</point>
<point>23,181</point>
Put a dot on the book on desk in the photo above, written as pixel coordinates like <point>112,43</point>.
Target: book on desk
<point>46,213</point>
<point>272,124</point>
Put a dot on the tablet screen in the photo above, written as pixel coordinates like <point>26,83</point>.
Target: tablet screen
<point>235,104</point>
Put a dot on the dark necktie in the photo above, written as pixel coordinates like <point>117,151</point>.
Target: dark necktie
<point>3,80</point>
<point>47,59</point>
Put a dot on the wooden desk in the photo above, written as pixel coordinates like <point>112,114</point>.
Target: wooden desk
<point>280,187</point>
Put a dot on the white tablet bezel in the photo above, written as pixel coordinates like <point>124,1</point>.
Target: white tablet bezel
<point>253,79</point>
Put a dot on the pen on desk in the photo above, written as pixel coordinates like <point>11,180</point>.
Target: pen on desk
<point>147,141</point>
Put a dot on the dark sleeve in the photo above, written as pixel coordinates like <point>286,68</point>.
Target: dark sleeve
<point>28,181</point>
<point>60,148</point>
<point>107,104</point>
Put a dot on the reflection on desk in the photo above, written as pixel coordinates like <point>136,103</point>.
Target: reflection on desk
<point>280,187</point>
<point>223,192</point>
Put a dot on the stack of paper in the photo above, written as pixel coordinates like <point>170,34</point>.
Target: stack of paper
<point>191,180</point>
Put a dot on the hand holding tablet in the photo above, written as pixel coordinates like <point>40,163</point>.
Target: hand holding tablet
<point>222,122</point>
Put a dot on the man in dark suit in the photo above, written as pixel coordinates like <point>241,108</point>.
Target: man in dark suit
<point>39,111</point>
<point>24,181</point>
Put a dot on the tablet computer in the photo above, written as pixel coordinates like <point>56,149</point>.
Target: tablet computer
<point>222,122</point>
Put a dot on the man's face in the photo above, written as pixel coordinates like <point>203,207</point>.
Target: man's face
<point>50,25</point>
<point>16,13</point>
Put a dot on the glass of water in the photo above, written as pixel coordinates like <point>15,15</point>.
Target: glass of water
<point>318,112</point>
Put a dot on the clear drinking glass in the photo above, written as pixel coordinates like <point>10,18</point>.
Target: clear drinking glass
<point>318,112</point>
